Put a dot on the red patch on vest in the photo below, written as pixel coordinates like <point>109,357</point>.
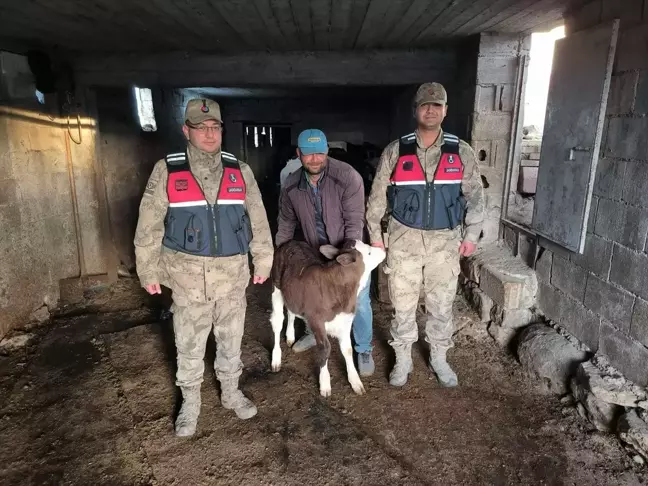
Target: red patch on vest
<point>181,185</point>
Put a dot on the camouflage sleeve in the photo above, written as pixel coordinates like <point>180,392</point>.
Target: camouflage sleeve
<point>472,189</point>
<point>377,204</point>
<point>150,226</point>
<point>261,244</point>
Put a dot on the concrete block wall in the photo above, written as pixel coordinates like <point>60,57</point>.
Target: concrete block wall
<point>493,112</point>
<point>127,155</point>
<point>602,296</point>
<point>38,241</point>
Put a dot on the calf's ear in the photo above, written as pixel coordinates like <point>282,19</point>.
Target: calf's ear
<point>345,259</point>
<point>329,251</point>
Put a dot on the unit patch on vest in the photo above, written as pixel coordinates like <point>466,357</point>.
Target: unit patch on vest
<point>409,165</point>
<point>181,185</point>
<point>453,169</point>
<point>234,189</point>
<point>232,177</point>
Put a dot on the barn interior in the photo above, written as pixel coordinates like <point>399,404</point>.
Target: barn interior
<point>92,94</point>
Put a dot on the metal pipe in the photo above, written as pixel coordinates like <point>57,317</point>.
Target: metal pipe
<point>75,206</point>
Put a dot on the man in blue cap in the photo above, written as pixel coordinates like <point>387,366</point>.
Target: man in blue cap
<point>326,198</point>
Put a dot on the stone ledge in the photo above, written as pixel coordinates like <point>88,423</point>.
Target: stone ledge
<point>502,277</point>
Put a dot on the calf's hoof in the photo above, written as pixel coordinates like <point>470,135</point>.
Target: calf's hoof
<point>357,386</point>
<point>276,360</point>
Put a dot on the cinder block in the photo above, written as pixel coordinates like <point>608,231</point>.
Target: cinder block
<point>596,257</point>
<point>635,187</point>
<point>635,228</point>
<point>569,277</point>
<point>609,219</point>
<point>641,100</point>
<point>543,266</point>
<point>486,96</point>
<point>632,49</point>
<point>639,327</point>
<point>498,44</point>
<point>626,138</point>
<point>527,180</point>
<point>571,315</point>
<point>622,93</point>
<point>504,290</point>
<point>625,354</point>
<point>630,270</point>
<point>496,70</point>
<point>612,303</point>
<point>492,125</point>
<point>609,178</point>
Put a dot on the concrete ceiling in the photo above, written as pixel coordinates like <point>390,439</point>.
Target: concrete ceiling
<point>251,25</point>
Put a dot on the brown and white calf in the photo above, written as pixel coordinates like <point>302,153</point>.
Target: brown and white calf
<point>321,288</point>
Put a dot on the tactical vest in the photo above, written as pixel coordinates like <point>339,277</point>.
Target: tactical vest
<point>194,226</point>
<point>419,203</point>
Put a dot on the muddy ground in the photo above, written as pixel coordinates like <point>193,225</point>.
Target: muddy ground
<point>91,400</point>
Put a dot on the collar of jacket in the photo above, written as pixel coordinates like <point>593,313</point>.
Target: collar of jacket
<point>437,143</point>
<point>198,156</point>
<point>303,183</point>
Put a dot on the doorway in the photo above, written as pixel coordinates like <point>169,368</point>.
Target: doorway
<point>267,149</point>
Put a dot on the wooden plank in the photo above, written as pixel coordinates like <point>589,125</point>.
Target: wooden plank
<point>242,17</point>
<point>324,68</point>
<point>302,19</point>
<point>476,17</point>
<point>358,13</point>
<point>340,23</point>
<point>422,22</point>
<point>320,11</point>
<point>531,9</point>
<point>456,9</point>
<point>414,12</point>
<point>283,14</point>
<point>276,38</point>
<point>396,11</point>
<point>372,24</point>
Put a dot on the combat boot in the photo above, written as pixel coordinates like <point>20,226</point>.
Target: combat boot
<point>403,366</point>
<point>446,376</point>
<point>233,399</point>
<point>185,424</point>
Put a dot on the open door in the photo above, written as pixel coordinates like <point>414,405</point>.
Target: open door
<point>576,104</point>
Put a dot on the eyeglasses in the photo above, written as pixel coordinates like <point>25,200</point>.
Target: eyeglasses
<point>204,128</point>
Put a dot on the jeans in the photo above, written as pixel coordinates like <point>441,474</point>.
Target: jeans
<point>362,327</point>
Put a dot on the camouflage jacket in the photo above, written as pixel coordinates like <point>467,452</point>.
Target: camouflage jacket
<point>207,169</point>
<point>471,186</point>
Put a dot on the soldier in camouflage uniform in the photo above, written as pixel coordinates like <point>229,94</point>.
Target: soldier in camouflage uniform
<point>430,195</point>
<point>200,214</point>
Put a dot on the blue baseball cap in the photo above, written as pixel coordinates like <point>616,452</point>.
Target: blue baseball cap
<point>312,141</point>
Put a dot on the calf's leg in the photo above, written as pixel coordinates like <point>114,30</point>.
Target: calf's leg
<point>276,319</point>
<point>343,334</point>
<point>290,329</point>
<point>323,353</point>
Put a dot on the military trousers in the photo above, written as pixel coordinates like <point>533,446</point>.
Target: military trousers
<point>429,261</point>
<point>208,296</point>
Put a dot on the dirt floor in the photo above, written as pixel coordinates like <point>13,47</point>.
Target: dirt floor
<point>91,400</point>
